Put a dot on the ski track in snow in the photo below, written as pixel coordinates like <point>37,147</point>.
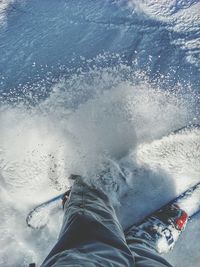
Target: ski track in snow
<point>180,17</point>
<point>105,112</point>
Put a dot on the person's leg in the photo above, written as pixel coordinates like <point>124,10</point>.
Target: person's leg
<point>91,234</point>
<point>144,255</point>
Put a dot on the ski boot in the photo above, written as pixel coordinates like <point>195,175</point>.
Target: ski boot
<point>160,230</point>
<point>66,195</point>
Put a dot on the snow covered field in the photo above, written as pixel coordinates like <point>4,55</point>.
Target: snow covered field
<point>85,80</point>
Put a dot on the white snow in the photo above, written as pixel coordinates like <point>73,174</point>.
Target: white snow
<point>4,5</point>
<point>41,147</point>
<point>108,112</point>
<point>179,17</point>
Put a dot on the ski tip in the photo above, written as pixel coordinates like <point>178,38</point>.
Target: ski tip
<point>37,218</point>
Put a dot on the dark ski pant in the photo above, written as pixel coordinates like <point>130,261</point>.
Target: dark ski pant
<point>91,236</point>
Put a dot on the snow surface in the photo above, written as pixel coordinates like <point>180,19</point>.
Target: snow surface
<point>82,81</point>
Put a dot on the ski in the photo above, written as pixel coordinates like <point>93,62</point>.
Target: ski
<point>38,217</point>
<point>189,201</point>
<point>162,228</point>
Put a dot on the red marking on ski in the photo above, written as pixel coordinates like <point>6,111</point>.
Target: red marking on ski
<point>180,223</point>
